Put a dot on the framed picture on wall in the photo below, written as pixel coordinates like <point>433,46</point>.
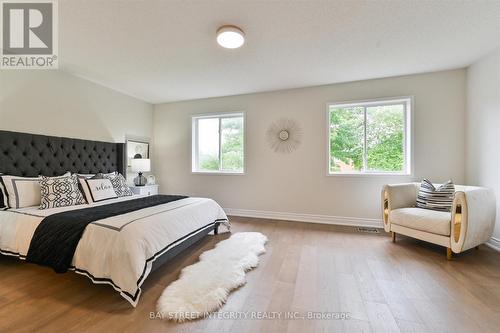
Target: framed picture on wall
<point>136,149</point>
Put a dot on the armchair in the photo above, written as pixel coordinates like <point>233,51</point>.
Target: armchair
<point>469,224</point>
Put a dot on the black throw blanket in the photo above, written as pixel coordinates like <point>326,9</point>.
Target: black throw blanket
<point>56,237</point>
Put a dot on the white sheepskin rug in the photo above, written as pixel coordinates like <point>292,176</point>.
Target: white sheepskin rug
<point>203,287</point>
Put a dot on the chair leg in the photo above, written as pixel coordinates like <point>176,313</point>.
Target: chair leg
<point>393,235</point>
<point>449,254</point>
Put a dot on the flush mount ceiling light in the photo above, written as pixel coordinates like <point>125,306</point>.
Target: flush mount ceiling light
<point>230,37</point>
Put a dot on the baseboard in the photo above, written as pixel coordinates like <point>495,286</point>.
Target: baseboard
<point>310,218</point>
<point>494,243</point>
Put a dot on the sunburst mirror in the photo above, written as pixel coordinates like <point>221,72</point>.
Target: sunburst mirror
<point>284,135</point>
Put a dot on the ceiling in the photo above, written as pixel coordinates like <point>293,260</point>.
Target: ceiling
<point>163,51</point>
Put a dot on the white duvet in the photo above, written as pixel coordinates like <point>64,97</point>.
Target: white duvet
<point>119,250</point>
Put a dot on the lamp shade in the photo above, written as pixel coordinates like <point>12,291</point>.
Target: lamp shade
<point>141,165</point>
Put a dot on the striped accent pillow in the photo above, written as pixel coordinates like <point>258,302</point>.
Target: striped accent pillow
<point>441,198</point>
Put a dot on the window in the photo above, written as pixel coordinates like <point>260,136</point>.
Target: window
<point>218,143</point>
<point>371,137</point>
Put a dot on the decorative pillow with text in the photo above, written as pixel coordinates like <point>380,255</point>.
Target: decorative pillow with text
<point>100,189</point>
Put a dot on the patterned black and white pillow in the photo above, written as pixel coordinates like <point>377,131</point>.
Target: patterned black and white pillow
<point>441,198</point>
<point>120,185</point>
<point>3,196</point>
<point>60,192</point>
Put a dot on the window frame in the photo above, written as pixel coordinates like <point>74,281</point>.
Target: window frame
<point>194,142</point>
<point>407,135</point>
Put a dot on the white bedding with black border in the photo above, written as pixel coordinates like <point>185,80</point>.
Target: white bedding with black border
<point>146,234</point>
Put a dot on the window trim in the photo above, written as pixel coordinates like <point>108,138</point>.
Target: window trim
<point>194,142</point>
<point>407,135</point>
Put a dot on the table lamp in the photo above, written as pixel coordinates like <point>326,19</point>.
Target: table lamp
<point>141,165</point>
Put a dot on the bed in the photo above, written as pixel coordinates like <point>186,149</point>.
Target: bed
<point>121,249</point>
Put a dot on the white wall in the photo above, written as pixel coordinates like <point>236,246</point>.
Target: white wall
<point>297,183</point>
<point>483,128</point>
<point>56,103</point>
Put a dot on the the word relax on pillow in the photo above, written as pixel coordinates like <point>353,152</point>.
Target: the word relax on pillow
<point>440,198</point>
<point>98,189</point>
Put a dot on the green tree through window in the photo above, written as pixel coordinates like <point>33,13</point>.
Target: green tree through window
<point>232,144</point>
<point>368,138</point>
<point>218,144</point>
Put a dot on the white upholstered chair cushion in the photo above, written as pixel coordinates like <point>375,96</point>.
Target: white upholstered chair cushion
<point>427,220</point>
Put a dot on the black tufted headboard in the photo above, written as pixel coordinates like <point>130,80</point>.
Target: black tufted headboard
<point>30,155</point>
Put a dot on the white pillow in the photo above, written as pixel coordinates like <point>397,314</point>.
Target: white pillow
<point>22,191</point>
<point>84,187</point>
<point>90,175</point>
<point>98,189</point>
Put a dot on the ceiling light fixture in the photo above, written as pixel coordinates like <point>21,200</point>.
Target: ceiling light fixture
<point>230,37</point>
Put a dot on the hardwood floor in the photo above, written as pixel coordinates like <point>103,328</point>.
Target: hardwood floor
<point>408,286</point>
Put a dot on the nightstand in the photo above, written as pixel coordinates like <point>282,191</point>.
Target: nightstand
<point>145,190</point>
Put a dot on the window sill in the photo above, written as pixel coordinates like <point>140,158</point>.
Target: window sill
<point>375,175</point>
<point>217,173</point>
